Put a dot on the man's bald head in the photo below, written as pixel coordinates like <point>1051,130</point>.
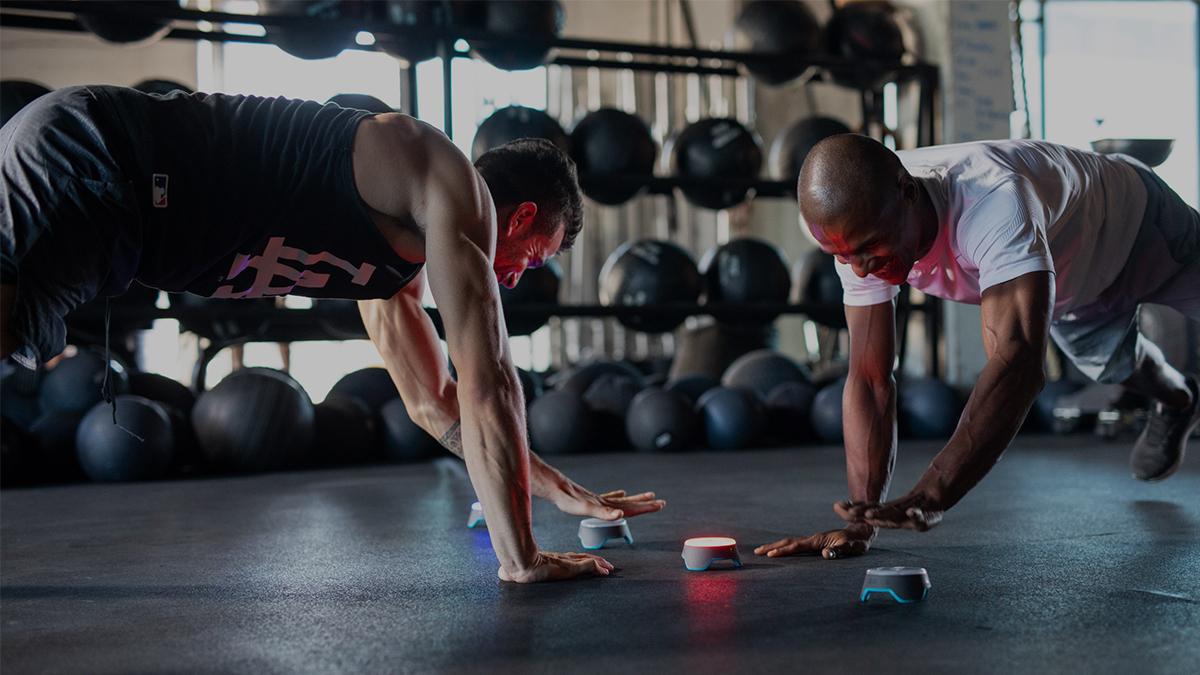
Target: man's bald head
<point>847,177</point>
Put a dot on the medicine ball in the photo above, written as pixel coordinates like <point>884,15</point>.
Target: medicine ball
<point>256,419</point>
<point>524,29</point>
<point>746,271</point>
<point>404,440</point>
<point>649,273</point>
<point>692,387</point>
<point>516,122</point>
<point>162,389</point>
<point>581,376</point>
<point>537,286</point>
<point>320,37</point>
<point>16,94</point>
<point>927,408</point>
<point>789,411</point>
<point>161,87</point>
<point>864,30</point>
<point>827,412</point>
<point>50,446</point>
<point>610,145</point>
<point>612,393</point>
<point>785,30</point>
<point>76,382</point>
<point>716,149</point>
<point>661,420</point>
<point>560,423</point>
<point>732,418</point>
<point>609,397</point>
<point>761,371</point>
<point>138,447</point>
<point>361,102</point>
<point>344,432</point>
<point>815,282</point>
<point>792,145</point>
<point>373,386</point>
<point>126,22</point>
<point>413,46</point>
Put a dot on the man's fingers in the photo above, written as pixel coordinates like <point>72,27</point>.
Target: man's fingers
<point>638,508</point>
<point>614,494</point>
<point>845,549</point>
<point>789,546</point>
<point>852,511</point>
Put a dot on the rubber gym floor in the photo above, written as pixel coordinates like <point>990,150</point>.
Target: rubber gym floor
<point>1059,562</point>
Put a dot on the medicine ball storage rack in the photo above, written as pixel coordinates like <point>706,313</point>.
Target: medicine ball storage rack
<point>266,323</point>
<point>59,15</point>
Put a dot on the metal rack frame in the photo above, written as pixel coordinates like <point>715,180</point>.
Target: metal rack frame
<point>294,325</point>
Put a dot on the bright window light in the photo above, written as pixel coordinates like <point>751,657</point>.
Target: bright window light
<point>364,38</point>
<point>266,70</point>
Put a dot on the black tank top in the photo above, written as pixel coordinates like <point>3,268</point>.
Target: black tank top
<point>248,197</point>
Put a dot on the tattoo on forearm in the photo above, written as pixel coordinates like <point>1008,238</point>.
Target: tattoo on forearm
<point>452,439</point>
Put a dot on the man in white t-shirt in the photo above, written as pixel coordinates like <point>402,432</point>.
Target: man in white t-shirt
<point>1051,242</point>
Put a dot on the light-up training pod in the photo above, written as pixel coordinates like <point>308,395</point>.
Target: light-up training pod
<point>905,584</point>
<point>593,532</point>
<point>701,552</point>
<point>476,516</point>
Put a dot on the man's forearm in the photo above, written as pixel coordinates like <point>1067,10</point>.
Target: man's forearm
<point>999,402</point>
<point>497,463</point>
<point>544,480</point>
<point>869,423</point>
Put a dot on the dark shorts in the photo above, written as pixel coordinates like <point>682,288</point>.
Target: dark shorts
<point>68,218</point>
<point>1163,268</point>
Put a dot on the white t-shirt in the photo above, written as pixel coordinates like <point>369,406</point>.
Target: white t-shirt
<point>1008,208</point>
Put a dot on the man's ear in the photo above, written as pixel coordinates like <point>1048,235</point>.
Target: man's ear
<point>521,219</point>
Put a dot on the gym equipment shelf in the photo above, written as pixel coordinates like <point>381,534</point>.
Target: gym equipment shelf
<point>190,24</point>
<point>330,321</point>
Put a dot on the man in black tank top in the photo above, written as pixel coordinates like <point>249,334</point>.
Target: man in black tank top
<point>246,197</point>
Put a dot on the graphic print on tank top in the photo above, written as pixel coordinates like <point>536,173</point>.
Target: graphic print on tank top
<point>270,264</point>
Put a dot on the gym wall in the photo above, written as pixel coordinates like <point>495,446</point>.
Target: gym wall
<point>60,59</point>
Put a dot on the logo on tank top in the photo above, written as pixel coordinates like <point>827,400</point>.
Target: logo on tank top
<point>269,265</point>
<point>159,191</point>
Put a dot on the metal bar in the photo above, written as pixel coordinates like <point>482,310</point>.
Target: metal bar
<point>667,185</point>
<point>643,66</point>
<point>16,13</point>
<point>445,51</point>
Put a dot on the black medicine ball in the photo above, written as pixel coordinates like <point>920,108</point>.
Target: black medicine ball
<point>513,123</point>
<point>256,419</point>
<point>609,145</point>
<point>646,274</point>
<point>746,271</point>
<point>784,30</point>
<point>524,28</point>
<point>716,149</point>
<point>138,447</point>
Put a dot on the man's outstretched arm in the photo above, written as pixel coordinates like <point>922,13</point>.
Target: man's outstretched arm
<point>409,344</point>
<point>869,421</point>
<point>1016,320</point>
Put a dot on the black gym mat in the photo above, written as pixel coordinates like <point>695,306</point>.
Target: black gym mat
<point>1058,562</point>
